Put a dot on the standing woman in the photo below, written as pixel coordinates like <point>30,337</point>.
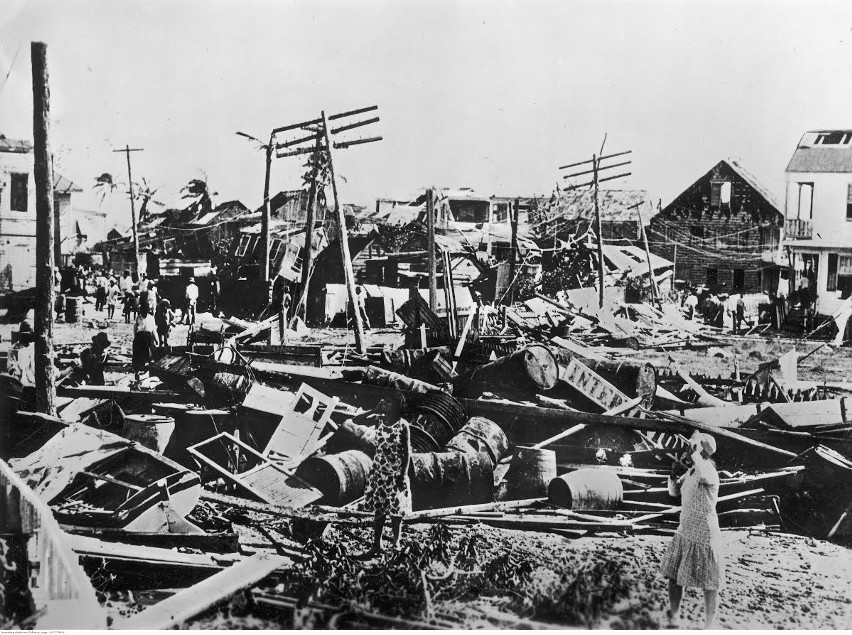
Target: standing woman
<point>694,557</point>
<point>388,490</point>
<point>144,342</point>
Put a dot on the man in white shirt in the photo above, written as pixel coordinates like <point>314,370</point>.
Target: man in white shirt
<point>21,364</point>
<point>191,298</point>
<point>126,282</point>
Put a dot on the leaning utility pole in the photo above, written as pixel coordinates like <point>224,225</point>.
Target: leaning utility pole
<point>308,254</point>
<point>319,127</point>
<point>43,173</point>
<point>344,244</point>
<point>595,171</point>
<point>264,221</point>
<point>430,249</point>
<point>513,210</point>
<point>127,150</point>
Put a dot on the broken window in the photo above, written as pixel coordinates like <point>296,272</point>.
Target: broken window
<point>805,206</point>
<point>831,283</point>
<point>849,201</point>
<point>696,232</point>
<point>844,266</point>
<point>833,138</point>
<point>20,192</point>
<point>243,246</point>
<point>720,195</point>
<point>712,277</point>
<point>470,211</point>
<point>739,278</point>
<point>501,213</point>
<point>274,249</point>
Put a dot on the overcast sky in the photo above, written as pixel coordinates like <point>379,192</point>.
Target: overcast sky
<point>488,94</point>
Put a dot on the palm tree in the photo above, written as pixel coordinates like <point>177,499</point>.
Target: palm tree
<point>106,184</point>
<point>199,191</point>
<point>143,191</point>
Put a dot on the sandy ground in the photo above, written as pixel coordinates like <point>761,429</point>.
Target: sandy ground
<point>773,580</point>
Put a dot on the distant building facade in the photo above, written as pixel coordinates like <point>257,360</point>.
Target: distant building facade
<point>723,231</point>
<point>818,229</point>
<point>18,214</point>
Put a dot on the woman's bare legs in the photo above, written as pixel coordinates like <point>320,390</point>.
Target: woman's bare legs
<point>675,596</point>
<point>378,528</point>
<point>711,603</point>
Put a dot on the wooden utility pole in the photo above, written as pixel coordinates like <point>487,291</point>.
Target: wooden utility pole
<point>595,182</point>
<point>513,210</point>
<point>264,221</point>
<point>360,344</point>
<point>308,254</point>
<point>57,224</point>
<point>43,173</point>
<point>430,248</point>
<point>599,232</point>
<point>655,296</point>
<point>127,150</point>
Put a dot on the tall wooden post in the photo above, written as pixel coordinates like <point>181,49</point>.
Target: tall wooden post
<point>43,172</point>
<point>430,248</point>
<point>513,210</point>
<point>308,254</point>
<point>133,212</point>
<point>655,296</point>
<point>360,344</point>
<point>264,222</point>
<point>57,225</point>
<point>599,231</point>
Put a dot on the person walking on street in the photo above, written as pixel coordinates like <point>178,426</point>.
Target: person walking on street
<point>388,491</point>
<point>145,342</point>
<point>191,300</point>
<point>127,282</point>
<point>113,299</point>
<point>694,557</point>
<point>165,320</point>
<point>102,286</point>
<point>21,362</point>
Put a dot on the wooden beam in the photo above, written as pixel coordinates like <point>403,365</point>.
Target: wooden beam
<point>188,603</point>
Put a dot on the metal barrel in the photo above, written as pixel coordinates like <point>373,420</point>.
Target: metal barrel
<point>448,479</point>
<point>481,435</point>
<point>73,309</point>
<point>533,368</point>
<point>529,473</point>
<point>435,419</point>
<point>350,435</point>
<point>342,478</point>
<point>586,489</point>
<point>152,431</point>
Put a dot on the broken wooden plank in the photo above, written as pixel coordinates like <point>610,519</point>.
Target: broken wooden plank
<point>198,598</point>
<point>453,511</point>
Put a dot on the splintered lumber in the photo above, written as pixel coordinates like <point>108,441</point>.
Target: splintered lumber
<point>704,397</point>
<point>720,432</point>
<point>197,598</point>
<point>91,547</point>
<point>467,509</point>
<point>115,392</point>
<point>561,435</point>
<point>255,329</point>
<point>674,509</point>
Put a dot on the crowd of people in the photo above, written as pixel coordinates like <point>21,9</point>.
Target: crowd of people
<point>153,318</point>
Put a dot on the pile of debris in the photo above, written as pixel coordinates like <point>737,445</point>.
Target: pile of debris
<point>535,417</point>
